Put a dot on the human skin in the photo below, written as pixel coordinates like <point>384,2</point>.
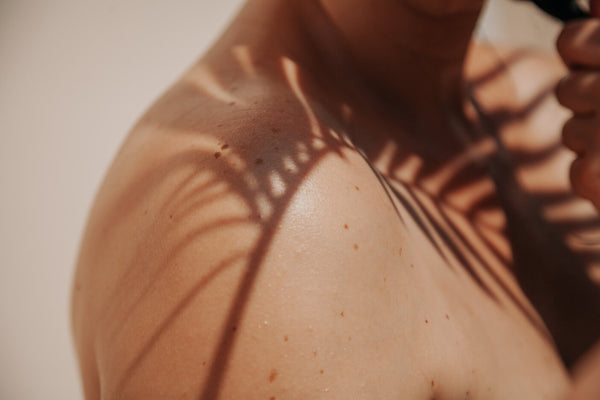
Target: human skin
<point>317,210</point>
<point>579,91</point>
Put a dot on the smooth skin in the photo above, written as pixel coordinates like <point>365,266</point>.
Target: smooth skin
<point>343,199</point>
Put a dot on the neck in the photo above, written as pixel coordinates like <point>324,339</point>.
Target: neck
<point>394,64</point>
<point>412,56</point>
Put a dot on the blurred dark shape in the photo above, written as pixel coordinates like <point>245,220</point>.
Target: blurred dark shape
<point>564,10</point>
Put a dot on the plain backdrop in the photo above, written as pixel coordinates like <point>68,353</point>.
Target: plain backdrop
<point>74,77</point>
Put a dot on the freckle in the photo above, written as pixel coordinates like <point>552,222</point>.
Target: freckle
<point>356,187</point>
<point>342,313</point>
<point>276,148</point>
<point>322,372</point>
<point>204,363</point>
<point>345,226</point>
<point>384,280</point>
<point>225,146</point>
<point>314,353</point>
<point>355,246</point>
<point>273,375</point>
<point>432,383</point>
<point>217,154</point>
<point>219,125</point>
<point>349,338</point>
<point>234,328</point>
<point>145,212</point>
<point>232,103</point>
<point>426,321</point>
<point>285,338</point>
<point>272,398</point>
<point>412,265</point>
<point>447,317</point>
<point>171,216</point>
<point>258,161</point>
<point>467,394</point>
<point>400,251</point>
<point>274,130</point>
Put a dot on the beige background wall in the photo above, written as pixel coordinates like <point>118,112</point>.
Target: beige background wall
<point>74,76</point>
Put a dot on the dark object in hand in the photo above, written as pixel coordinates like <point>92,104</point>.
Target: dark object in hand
<point>565,10</point>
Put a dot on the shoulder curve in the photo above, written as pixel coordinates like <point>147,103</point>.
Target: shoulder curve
<point>219,219</point>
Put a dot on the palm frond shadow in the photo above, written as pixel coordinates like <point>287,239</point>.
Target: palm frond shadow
<point>557,285</point>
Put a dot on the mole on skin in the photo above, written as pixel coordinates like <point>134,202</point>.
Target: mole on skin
<point>273,375</point>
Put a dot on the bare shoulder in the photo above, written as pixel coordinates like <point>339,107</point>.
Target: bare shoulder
<point>222,251</point>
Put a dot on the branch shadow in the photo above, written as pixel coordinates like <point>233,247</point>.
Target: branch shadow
<point>552,275</point>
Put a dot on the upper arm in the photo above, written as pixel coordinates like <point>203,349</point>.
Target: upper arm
<point>239,275</point>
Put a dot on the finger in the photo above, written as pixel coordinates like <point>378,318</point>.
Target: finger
<point>585,177</point>
<point>581,134</point>
<point>579,43</point>
<point>579,91</point>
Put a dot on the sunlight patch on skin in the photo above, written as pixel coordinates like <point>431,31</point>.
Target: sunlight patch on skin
<point>235,162</point>
<point>407,171</point>
<point>342,137</point>
<point>594,273</point>
<point>289,164</point>
<point>318,144</point>
<point>496,240</point>
<point>334,134</point>
<point>347,112</point>
<point>242,55</point>
<point>264,205</point>
<point>546,173</point>
<point>494,219</point>
<point>302,154</point>
<point>387,155</point>
<point>290,70</point>
<point>251,181</point>
<point>584,241</point>
<point>435,182</point>
<point>572,208</point>
<point>465,197</point>
<point>205,80</point>
<point>277,184</point>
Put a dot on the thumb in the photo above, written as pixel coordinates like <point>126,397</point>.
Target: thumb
<point>595,8</point>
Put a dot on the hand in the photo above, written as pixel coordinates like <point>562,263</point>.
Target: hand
<point>579,46</point>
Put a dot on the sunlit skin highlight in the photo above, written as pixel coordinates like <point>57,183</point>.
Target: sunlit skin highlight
<point>366,230</point>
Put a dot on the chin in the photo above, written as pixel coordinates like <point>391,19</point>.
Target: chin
<point>443,8</point>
